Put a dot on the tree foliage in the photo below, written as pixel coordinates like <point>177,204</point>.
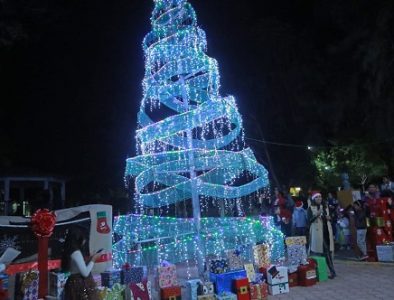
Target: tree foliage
<point>358,162</point>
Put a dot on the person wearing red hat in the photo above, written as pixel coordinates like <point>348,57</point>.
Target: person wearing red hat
<point>300,220</point>
<point>321,241</point>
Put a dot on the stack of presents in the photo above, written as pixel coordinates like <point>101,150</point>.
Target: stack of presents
<point>129,282</point>
<point>380,232</point>
<point>232,276</point>
<point>112,285</point>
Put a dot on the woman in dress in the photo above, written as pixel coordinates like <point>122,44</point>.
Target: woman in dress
<point>80,285</point>
<point>321,240</point>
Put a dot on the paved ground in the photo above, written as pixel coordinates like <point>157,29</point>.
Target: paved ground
<point>355,280</point>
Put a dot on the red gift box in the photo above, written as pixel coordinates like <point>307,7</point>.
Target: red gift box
<point>171,293</point>
<point>307,274</point>
<point>258,291</point>
<point>242,288</point>
<point>141,290</point>
<point>293,279</point>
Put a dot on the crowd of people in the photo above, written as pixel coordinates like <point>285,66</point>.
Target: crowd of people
<point>327,224</point>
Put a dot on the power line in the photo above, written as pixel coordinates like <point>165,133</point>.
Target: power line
<point>309,147</point>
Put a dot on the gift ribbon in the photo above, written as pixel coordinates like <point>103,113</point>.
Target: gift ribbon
<point>25,267</point>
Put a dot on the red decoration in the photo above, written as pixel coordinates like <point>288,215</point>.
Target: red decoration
<point>43,222</point>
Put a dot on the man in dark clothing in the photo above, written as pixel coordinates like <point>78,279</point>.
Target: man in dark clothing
<point>361,226</point>
<point>333,207</point>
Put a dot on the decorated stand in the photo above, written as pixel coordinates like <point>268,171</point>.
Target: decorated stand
<point>43,222</point>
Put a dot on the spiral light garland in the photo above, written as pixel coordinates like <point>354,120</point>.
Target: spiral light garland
<point>190,146</point>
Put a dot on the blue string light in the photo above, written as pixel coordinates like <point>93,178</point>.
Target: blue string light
<point>195,150</point>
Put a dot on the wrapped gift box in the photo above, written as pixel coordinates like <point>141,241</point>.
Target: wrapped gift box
<point>57,281</point>
<point>277,275</point>
<point>218,266</point>
<point>226,296</point>
<point>132,274</point>
<point>321,268</point>
<point>109,278</point>
<point>250,272</point>
<point>242,288</point>
<point>192,288</point>
<point>171,293</point>
<point>27,286</point>
<point>293,279</point>
<point>258,291</point>
<point>261,254</point>
<point>385,252</point>
<point>280,288</point>
<point>296,254</point>
<point>307,274</point>
<point>141,290</point>
<point>295,240</point>
<point>205,288</point>
<point>167,276</point>
<point>224,282</point>
<point>235,260</point>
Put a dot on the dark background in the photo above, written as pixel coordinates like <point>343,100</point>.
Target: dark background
<point>303,72</point>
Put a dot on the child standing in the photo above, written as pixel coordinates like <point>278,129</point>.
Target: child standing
<point>343,230</point>
<point>300,219</point>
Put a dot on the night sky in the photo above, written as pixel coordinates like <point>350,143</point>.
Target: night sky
<point>71,86</point>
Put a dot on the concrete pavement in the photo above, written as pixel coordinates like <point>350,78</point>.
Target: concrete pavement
<point>354,281</point>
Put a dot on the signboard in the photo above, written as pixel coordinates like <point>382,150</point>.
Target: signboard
<point>345,198</point>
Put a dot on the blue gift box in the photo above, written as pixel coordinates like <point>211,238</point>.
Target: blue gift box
<point>132,275</point>
<point>109,278</point>
<point>224,282</point>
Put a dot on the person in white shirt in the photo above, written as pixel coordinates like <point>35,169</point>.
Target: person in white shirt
<point>80,285</point>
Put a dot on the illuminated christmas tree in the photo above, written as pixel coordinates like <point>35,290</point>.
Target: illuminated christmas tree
<point>190,150</point>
